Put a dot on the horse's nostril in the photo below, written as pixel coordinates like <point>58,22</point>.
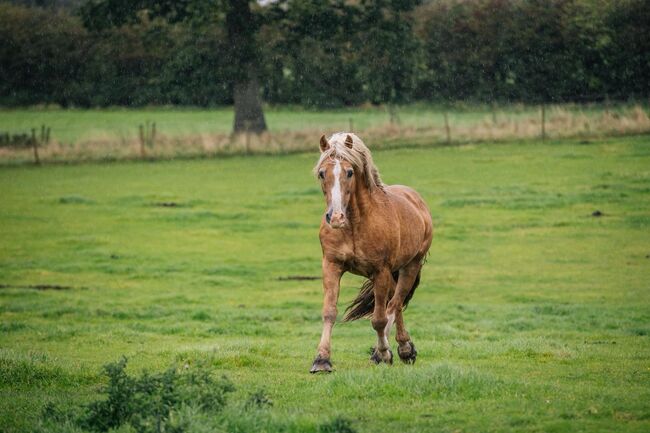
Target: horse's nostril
<point>328,217</point>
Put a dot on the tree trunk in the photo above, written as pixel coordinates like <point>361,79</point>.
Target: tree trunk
<point>241,26</point>
<point>249,116</point>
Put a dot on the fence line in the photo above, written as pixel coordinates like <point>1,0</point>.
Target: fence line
<point>150,142</point>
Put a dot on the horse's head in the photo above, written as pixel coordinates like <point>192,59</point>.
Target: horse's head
<point>338,181</point>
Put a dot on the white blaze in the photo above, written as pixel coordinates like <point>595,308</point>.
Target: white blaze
<point>337,205</point>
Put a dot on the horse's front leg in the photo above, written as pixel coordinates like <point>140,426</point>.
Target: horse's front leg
<point>383,285</point>
<point>331,283</point>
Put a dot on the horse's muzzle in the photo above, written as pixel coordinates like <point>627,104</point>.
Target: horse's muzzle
<point>337,220</point>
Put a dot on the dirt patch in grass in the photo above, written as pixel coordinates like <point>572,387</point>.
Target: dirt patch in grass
<point>299,278</point>
<point>56,287</point>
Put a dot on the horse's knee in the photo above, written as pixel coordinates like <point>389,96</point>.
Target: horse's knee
<point>379,324</point>
<point>329,315</point>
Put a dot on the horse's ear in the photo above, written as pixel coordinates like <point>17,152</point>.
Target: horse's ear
<point>324,144</point>
<point>348,141</point>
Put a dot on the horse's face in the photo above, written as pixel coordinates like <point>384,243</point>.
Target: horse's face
<point>337,180</point>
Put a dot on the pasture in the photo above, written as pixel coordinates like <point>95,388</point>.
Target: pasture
<point>533,313</point>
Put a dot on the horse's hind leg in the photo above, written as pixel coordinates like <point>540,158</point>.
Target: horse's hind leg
<point>406,348</point>
<point>383,284</point>
<point>407,277</point>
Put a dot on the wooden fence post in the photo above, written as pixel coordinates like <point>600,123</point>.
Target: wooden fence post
<point>142,142</point>
<point>394,116</point>
<point>37,160</point>
<point>447,129</point>
<point>543,121</point>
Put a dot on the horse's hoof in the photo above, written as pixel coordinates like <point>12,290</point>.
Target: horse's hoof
<point>321,365</point>
<point>378,359</point>
<point>408,354</point>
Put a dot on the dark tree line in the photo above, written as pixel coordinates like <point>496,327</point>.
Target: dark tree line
<point>322,53</point>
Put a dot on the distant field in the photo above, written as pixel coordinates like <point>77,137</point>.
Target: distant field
<point>79,125</point>
<point>533,315</point>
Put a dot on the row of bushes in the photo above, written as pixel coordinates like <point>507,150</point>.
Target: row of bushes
<point>335,53</point>
<point>49,57</point>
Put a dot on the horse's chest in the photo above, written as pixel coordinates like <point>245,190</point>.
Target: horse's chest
<point>357,258</point>
<point>363,253</point>
<point>365,259</point>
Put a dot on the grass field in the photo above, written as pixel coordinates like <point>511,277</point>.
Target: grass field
<point>533,315</point>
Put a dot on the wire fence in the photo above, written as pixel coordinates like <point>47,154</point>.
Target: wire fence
<point>396,127</point>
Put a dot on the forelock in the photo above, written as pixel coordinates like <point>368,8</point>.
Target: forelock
<point>358,156</point>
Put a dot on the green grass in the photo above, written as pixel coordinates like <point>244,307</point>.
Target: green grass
<point>532,315</point>
<point>79,125</point>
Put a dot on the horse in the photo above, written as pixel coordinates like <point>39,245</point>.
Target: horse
<point>381,232</point>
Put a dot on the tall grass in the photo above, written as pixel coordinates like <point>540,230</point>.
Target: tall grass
<point>113,134</point>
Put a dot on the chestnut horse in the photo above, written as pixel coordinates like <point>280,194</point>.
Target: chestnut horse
<point>374,230</point>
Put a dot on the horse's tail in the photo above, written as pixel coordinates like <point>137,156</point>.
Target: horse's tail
<point>364,304</point>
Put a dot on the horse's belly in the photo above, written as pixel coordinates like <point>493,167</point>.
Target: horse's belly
<point>361,268</point>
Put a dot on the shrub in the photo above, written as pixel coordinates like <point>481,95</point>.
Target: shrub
<point>151,402</point>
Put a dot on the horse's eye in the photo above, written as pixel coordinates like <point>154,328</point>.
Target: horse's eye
<point>321,174</point>
<point>350,173</point>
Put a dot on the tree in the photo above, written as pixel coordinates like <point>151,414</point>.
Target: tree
<point>339,53</point>
<point>629,53</point>
<point>313,56</point>
<point>240,24</point>
<point>241,27</point>
<point>385,40</point>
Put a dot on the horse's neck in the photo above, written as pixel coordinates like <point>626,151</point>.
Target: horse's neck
<point>362,203</point>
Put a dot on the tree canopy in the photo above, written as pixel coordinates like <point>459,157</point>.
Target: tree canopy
<point>323,53</point>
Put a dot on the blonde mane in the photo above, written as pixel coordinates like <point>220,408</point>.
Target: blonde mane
<point>359,156</point>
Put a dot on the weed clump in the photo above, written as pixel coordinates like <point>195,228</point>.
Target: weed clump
<point>151,402</point>
<point>259,399</point>
<point>337,425</point>
<point>183,399</point>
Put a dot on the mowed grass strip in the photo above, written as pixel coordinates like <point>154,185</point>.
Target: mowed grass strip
<point>533,314</point>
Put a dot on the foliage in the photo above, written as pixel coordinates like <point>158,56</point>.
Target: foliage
<point>177,400</point>
<point>310,56</point>
<point>628,50</point>
<point>515,50</point>
<point>43,65</point>
<point>326,54</point>
<point>147,62</point>
<point>150,403</point>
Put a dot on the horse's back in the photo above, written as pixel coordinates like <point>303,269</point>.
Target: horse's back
<point>415,219</point>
